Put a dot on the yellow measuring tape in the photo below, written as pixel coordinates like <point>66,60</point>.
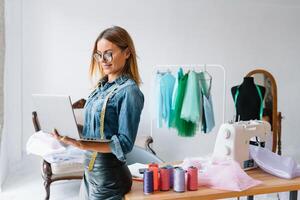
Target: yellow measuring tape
<point>102,115</point>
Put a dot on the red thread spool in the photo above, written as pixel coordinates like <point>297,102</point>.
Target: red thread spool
<point>192,179</point>
<point>154,167</point>
<point>164,179</point>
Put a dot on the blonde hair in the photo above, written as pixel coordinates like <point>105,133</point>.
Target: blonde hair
<point>121,38</point>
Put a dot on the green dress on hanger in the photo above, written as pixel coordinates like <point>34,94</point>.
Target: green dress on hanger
<point>184,128</point>
<point>192,103</point>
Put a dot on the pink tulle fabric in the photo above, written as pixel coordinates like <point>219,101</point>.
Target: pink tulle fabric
<point>221,174</point>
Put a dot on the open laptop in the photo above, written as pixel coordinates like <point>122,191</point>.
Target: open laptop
<point>55,111</point>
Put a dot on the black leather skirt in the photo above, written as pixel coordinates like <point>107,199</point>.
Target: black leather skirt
<point>110,178</point>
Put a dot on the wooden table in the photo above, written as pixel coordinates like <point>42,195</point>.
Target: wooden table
<point>270,184</point>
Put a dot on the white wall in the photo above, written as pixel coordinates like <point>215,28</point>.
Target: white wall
<point>11,143</point>
<point>2,48</point>
<point>57,38</point>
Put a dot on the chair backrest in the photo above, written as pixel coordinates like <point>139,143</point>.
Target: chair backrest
<point>140,155</point>
<point>35,122</point>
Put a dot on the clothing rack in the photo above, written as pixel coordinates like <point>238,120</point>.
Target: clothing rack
<point>194,67</point>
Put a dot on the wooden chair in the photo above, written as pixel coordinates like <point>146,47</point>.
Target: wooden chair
<point>67,171</point>
<point>61,171</point>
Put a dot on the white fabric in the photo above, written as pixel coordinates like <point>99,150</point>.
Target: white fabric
<point>43,144</point>
<point>67,167</point>
<point>134,169</point>
<point>281,166</point>
<point>71,154</point>
<point>199,162</point>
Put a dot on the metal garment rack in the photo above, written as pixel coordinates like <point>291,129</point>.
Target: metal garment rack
<point>202,67</point>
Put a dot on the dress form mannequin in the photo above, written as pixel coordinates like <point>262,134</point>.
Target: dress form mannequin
<point>248,100</point>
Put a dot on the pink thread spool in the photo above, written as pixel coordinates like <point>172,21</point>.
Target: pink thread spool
<point>164,179</point>
<point>192,178</point>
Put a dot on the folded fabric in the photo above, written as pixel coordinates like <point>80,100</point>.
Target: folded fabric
<point>71,154</point>
<point>220,174</point>
<point>43,144</point>
<point>226,175</point>
<point>281,166</point>
<point>134,169</point>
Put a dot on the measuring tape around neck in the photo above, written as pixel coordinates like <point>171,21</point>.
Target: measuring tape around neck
<point>101,129</point>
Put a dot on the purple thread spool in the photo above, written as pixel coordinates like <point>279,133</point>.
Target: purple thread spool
<point>148,182</point>
<point>179,179</point>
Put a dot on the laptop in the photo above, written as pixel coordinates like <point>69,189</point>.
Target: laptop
<point>55,111</point>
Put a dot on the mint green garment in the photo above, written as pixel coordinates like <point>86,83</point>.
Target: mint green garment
<point>205,80</point>
<point>192,103</point>
<point>184,128</point>
<point>179,75</point>
<point>174,95</point>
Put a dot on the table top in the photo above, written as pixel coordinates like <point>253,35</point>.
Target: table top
<point>270,184</point>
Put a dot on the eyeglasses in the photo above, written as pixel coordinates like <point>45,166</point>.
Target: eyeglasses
<point>106,56</point>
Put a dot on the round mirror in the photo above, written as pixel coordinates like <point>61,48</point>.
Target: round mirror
<point>266,79</point>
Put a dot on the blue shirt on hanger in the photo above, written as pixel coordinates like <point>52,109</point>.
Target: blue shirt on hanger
<point>165,85</point>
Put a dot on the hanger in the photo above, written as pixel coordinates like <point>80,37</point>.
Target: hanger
<point>206,72</point>
<point>162,72</point>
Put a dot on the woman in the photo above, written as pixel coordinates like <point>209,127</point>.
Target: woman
<point>112,111</point>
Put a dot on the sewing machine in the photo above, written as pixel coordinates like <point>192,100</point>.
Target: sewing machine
<point>233,140</point>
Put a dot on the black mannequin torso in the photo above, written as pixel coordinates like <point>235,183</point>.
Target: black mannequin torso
<point>248,101</point>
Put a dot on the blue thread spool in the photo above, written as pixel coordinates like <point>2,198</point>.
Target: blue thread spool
<point>171,172</point>
<point>148,182</point>
<point>179,179</point>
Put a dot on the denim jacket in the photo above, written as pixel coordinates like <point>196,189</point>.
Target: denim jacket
<point>122,115</point>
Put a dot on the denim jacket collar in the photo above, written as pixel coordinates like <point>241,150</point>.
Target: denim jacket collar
<point>120,80</point>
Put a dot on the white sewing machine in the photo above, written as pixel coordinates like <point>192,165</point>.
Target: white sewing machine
<point>233,140</point>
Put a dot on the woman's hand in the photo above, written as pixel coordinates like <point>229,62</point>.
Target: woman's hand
<point>56,135</point>
<point>83,145</point>
<point>66,139</point>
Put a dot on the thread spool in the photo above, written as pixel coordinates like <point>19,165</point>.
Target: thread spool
<point>153,165</point>
<point>155,169</point>
<point>192,178</point>
<point>164,179</point>
<point>179,179</point>
<point>148,182</point>
<point>171,172</point>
